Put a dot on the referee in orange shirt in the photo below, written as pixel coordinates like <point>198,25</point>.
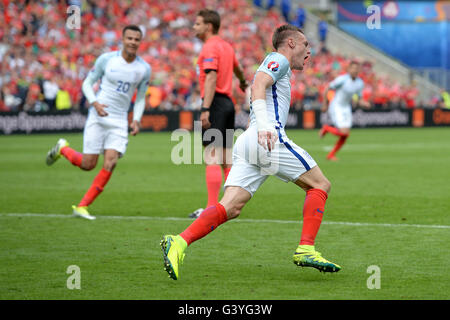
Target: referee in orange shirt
<point>216,64</point>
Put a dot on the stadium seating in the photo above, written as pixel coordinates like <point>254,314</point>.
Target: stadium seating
<point>41,59</point>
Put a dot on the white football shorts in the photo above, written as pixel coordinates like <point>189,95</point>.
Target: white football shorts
<point>102,133</point>
<point>341,117</point>
<point>252,164</point>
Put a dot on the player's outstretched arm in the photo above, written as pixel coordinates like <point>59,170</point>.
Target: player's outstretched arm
<point>266,133</point>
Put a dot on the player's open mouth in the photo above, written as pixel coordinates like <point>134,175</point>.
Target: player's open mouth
<point>304,60</point>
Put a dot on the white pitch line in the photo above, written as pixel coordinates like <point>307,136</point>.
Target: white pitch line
<point>362,224</point>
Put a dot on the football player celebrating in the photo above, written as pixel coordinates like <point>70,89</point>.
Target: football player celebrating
<point>106,128</point>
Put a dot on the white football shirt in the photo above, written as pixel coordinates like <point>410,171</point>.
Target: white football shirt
<point>119,80</point>
<point>278,96</point>
<point>345,87</point>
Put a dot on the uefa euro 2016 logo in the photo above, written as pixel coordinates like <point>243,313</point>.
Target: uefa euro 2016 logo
<point>273,65</point>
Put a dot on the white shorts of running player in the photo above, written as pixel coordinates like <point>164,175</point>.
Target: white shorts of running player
<point>101,134</point>
<point>341,117</point>
<point>252,164</point>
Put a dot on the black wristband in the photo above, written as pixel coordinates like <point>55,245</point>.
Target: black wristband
<point>204,109</point>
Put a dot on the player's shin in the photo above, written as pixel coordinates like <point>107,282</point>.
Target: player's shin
<point>208,220</point>
<point>313,209</point>
<point>96,188</point>
<point>341,141</point>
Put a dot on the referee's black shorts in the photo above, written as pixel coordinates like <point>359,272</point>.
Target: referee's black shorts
<point>221,117</point>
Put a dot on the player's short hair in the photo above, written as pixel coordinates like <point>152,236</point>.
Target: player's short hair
<point>131,27</point>
<point>282,33</point>
<point>354,61</point>
<point>210,16</point>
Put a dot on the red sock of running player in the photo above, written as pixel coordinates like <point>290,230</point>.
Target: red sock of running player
<point>208,220</point>
<point>96,188</point>
<point>338,146</point>
<point>73,156</point>
<point>226,171</point>
<point>213,183</point>
<point>313,210</point>
<point>334,131</point>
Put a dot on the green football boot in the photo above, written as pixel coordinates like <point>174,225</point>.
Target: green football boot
<point>307,256</point>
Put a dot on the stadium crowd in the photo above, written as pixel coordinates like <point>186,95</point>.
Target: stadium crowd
<point>43,62</point>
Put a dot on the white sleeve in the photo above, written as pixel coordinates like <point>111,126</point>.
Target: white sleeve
<point>94,74</point>
<point>139,104</point>
<point>88,89</point>
<point>361,87</point>
<point>275,65</point>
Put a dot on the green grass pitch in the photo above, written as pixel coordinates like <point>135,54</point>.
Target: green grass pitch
<point>389,207</point>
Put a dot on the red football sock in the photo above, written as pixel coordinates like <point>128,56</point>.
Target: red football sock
<point>213,183</point>
<point>334,131</point>
<point>208,220</point>
<point>338,145</point>
<point>313,210</point>
<point>73,156</point>
<point>226,171</point>
<point>96,188</point>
